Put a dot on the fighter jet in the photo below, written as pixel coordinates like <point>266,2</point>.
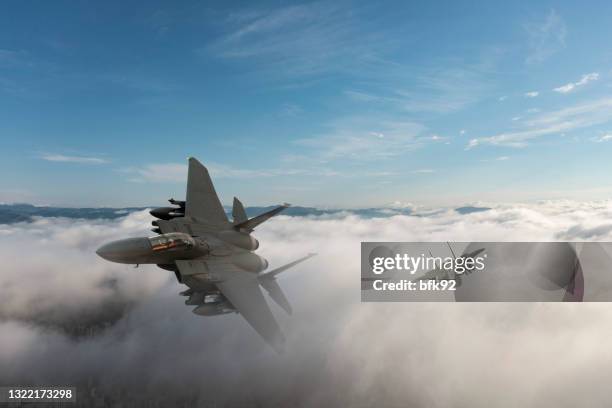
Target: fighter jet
<point>211,255</point>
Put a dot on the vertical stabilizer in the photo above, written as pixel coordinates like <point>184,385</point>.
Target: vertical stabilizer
<point>238,212</point>
<point>202,200</point>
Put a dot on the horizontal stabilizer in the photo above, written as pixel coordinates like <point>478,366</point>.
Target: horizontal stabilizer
<point>283,268</point>
<point>250,225</point>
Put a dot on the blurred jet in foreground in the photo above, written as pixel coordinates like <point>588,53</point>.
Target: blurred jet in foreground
<point>211,255</point>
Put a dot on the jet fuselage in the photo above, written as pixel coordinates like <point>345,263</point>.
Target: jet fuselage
<point>165,249</point>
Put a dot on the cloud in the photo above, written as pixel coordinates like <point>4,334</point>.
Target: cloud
<point>319,39</point>
<point>545,37</point>
<point>299,40</point>
<point>177,172</point>
<point>291,109</point>
<point>579,116</point>
<point>63,284</point>
<point>593,76</point>
<point>499,158</point>
<point>15,59</point>
<point>73,159</point>
<point>364,139</point>
<point>532,94</point>
<point>340,352</point>
<point>159,173</point>
<point>604,138</point>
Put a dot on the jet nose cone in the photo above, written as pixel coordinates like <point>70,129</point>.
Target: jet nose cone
<point>107,251</point>
<point>125,251</point>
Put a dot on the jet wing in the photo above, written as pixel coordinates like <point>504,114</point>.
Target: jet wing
<point>202,201</point>
<point>175,225</point>
<point>242,290</point>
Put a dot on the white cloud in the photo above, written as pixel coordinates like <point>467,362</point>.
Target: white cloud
<point>593,76</point>
<point>604,138</point>
<point>340,352</point>
<point>531,94</point>
<point>580,116</point>
<point>299,40</point>
<point>161,172</point>
<point>291,109</point>
<point>177,172</point>
<point>546,37</point>
<point>316,39</point>
<point>449,87</point>
<point>359,138</point>
<point>73,159</point>
<point>499,158</point>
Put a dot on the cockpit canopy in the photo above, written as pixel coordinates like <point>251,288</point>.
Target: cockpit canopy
<point>172,241</point>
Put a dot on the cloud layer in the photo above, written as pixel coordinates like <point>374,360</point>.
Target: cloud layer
<point>340,351</point>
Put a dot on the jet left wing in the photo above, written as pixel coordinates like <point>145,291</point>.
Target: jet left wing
<point>242,290</point>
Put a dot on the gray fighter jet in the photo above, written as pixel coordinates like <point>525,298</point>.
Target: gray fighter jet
<point>211,255</point>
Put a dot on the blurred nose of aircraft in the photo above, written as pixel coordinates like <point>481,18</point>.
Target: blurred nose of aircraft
<point>125,250</point>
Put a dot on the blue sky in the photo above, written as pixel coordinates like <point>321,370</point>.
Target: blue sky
<point>321,103</point>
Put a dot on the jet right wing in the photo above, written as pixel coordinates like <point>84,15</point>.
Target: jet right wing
<point>202,201</point>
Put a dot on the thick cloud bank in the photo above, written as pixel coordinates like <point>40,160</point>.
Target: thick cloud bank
<point>120,333</point>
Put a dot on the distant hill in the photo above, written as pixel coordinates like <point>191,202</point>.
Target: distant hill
<point>13,213</point>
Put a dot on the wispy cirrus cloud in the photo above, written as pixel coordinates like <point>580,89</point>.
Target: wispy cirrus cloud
<point>604,138</point>
<point>448,87</point>
<point>318,39</point>
<point>593,76</point>
<point>304,39</point>
<point>545,37</point>
<point>495,159</point>
<point>177,172</point>
<point>61,158</point>
<point>532,94</point>
<point>580,116</point>
<point>365,139</point>
<point>14,59</point>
